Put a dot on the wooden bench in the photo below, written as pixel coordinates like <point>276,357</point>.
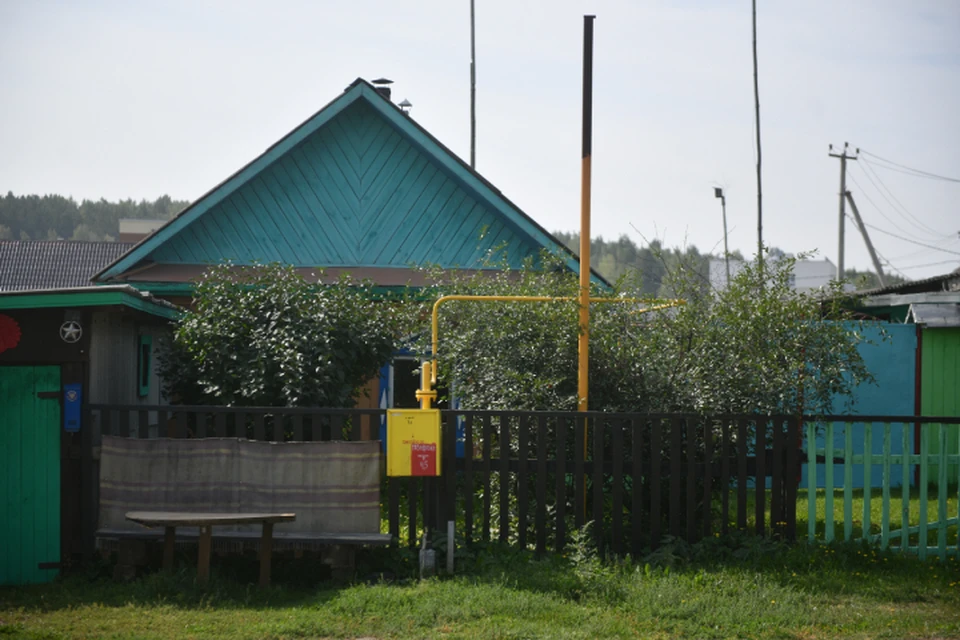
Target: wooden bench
<point>239,485</point>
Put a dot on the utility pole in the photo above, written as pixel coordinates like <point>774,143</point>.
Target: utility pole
<point>473,92</point>
<point>866,238</point>
<point>756,102</point>
<point>843,190</point>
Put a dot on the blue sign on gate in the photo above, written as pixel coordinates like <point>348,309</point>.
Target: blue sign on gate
<point>72,397</point>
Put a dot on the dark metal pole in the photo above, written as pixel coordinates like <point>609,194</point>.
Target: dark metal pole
<point>473,92</point>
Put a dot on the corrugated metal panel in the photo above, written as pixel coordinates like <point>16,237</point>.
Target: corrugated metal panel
<point>940,386</point>
<point>354,193</point>
<point>935,315</point>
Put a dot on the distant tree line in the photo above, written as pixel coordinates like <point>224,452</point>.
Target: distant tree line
<point>645,270</point>
<point>54,217</point>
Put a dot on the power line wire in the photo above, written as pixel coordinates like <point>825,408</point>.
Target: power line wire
<point>921,244</point>
<point>917,172</point>
<point>879,210</point>
<point>902,209</point>
<point>930,264</point>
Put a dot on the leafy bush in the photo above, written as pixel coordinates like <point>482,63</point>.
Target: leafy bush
<point>264,336</point>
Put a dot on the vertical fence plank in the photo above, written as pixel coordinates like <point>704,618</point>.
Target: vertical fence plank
<point>636,475</point>
<point>200,424</point>
<point>259,434</point>
<point>828,484</point>
<point>298,427</point>
<point>220,424</point>
<point>143,428</point>
<point>541,516</point>
<point>125,423</point>
<point>449,470</point>
<point>942,491</point>
<point>468,492</point>
<point>691,492</point>
<point>742,474</point>
<point>778,519</point>
<point>163,424</point>
<point>411,511</point>
<point>504,478</point>
<point>599,426</point>
<point>393,507</point>
<point>887,479</point>
<point>792,475</point>
<point>847,481</point>
<point>487,455</point>
<point>957,427</point>
<point>560,505</point>
<point>867,477</point>
<point>523,498</point>
<point>182,425</point>
<point>905,492</point>
<point>760,479</point>
<point>676,435</point>
<point>616,517</point>
<point>656,479</point>
<point>725,476</point>
<point>280,426</point>
<point>811,481</point>
<point>924,479</point>
<point>707,476</point>
<point>579,482</point>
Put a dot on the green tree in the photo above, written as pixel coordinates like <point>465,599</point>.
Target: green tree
<point>756,347</point>
<point>263,336</point>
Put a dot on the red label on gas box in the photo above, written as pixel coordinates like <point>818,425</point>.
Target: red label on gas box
<point>423,459</point>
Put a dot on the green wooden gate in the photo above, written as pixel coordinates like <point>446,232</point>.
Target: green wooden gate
<point>29,474</point>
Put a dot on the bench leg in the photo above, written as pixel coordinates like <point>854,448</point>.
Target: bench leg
<point>266,551</point>
<point>203,556</point>
<point>169,537</point>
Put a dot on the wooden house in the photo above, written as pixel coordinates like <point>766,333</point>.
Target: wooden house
<point>360,187</point>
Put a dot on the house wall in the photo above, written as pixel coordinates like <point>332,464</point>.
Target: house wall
<point>114,360</point>
<point>892,361</point>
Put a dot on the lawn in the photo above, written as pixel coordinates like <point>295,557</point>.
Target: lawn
<point>733,587</point>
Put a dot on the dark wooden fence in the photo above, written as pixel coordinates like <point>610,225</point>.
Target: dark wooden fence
<point>531,478</point>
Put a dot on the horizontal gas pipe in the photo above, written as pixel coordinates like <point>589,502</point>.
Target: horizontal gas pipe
<point>428,376</point>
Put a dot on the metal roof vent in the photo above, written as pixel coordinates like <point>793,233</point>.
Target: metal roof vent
<point>405,106</point>
<point>382,85</point>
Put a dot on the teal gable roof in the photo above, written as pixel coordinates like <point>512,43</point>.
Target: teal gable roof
<point>359,184</point>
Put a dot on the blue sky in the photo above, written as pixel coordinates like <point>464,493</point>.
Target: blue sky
<point>123,99</point>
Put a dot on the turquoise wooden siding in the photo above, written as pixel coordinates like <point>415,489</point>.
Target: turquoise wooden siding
<point>892,361</point>
<point>353,193</point>
<point>29,474</point>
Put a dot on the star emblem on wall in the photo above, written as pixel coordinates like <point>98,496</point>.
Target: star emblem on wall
<point>70,331</point>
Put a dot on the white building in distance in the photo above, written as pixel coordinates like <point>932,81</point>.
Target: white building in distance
<point>808,275</point>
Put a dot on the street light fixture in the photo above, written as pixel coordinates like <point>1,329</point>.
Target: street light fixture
<point>718,193</point>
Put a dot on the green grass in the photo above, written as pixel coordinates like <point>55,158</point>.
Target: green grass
<point>876,514</point>
<point>731,587</point>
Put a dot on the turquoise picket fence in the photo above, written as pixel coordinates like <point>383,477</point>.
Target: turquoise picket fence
<point>901,491</point>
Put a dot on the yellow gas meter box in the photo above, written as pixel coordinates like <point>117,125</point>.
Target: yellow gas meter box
<point>413,442</point>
